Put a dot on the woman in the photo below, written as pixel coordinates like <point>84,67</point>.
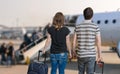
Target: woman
<point>58,35</point>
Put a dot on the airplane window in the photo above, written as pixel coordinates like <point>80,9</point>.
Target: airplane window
<point>114,21</point>
<point>98,22</point>
<point>106,21</point>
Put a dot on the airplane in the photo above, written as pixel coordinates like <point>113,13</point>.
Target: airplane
<point>109,23</point>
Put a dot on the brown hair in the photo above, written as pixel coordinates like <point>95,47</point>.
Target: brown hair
<point>58,20</point>
<point>88,13</point>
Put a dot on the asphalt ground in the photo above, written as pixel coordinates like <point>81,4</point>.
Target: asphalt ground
<point>110,58</point>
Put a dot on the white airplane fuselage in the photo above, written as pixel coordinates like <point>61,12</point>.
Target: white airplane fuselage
<point>109,23</point>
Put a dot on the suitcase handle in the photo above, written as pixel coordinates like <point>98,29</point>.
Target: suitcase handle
<point>40,51</point>
<point>101,64</point>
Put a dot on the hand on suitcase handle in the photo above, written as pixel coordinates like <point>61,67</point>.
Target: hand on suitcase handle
<point>44,54</point>
<point>99,60</point>
<point>100,65</point>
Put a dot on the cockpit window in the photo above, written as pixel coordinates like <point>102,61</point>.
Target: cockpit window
<point>106,21</point>
<point>114,21</point>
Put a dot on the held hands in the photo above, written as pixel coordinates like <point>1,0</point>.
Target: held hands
<point>74,56</point>
<point>70,55</point>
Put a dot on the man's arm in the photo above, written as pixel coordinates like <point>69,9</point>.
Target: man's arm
<point>98,43</point>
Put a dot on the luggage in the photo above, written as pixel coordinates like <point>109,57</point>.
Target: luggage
<point>38,67</point>
<point>98,68</point>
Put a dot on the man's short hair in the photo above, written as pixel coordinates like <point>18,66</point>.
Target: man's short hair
<point>88,13</point>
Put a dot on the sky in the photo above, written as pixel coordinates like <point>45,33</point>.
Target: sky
<point>15,13</point>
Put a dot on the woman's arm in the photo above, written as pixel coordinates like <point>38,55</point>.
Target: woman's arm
<point>74,42</point>
<point>47,42</point>
<point>68,43</point>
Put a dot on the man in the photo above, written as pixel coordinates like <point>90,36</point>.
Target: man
<point>87,34</point>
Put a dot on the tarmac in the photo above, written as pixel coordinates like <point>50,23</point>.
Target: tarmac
<point>22,69</point>
<point>112,65</point>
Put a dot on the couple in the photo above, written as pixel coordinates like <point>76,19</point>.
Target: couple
<point>86,35</point>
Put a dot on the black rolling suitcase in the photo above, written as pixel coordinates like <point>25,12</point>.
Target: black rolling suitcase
<point>99,68</point>
<point>38,67</point>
